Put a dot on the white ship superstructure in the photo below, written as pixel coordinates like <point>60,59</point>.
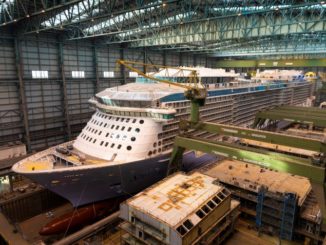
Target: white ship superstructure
<point>125,146</point>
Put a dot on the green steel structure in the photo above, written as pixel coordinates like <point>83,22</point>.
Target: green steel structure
<point>259,135</point>
<point>217,28</point>
<point>303,115</point>
<point>271,63</point>
<point>313,169</point>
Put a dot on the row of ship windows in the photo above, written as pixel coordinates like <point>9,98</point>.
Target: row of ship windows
<point>106,144</point>
<point>88,138</point>
<point>93,130</point>
<point>117,119</point>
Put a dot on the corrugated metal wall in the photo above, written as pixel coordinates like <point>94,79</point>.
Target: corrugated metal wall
<point>57,107</point>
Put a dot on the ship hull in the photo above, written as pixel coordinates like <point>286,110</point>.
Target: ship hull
<point>83,186</point>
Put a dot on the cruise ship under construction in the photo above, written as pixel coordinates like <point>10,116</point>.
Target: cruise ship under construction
<point>125,146</point>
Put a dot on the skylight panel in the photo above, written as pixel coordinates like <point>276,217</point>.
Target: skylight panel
<point>75,13</point>
<point>122,17</point>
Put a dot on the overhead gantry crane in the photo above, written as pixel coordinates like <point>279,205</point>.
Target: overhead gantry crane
<point>313,169</point>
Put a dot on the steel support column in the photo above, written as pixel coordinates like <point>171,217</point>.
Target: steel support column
<point>95,62</point>
<point>122,68</point>
<point>144,59</point>
<point>64,92</point>
<point>164,57</point>
<point>23,106</point>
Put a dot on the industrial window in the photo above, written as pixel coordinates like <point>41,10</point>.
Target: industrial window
<point>154,152</point>
<point>90,139</point>
<point>106,144</point>
<point>112,145</point>
<point>96,131</point>
<point>119,146</point>
<point>117,127</point>
<point>211,204</point>
<point>188,224</point>
<point>112,126</point>
<point>123,128</point>
<point>105,125</point>
<point>100,133</point>
<point>150,153</point>
<point>107,134</point>
<point>216,200</point>
<point>78,74</point>
<point>102,142</point>
<point>107,74</point>
<point>127,120</point>
<point>181,230</point>
<point>200,214</point>
<point>40,74</point>
<point>122,119</point>
<point>94,141</point>
<point>129,129</point>
<point>205,209</point>
<point>133,121</point>
<point>133,74</point>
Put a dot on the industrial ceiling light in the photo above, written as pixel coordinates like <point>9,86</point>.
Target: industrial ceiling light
<point>27,16</point>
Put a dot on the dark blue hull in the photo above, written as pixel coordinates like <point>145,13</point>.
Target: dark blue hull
<point>83,186</point>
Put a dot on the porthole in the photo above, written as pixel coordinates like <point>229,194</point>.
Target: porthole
<point>141,121</point>
<point>154,145</point>
<point>118,136</point>
<point>128,147</point>
<point>107,134</point>
<point>159,143</point>
<point>127,120</point>
<point>96,131</point>
<point>154,152</point>
<point>106,144</point>
<point>133,138</point>
<point>93,130</point>
<point>94,141</point>
<point>123,128</point>
<point>117,119</point>
<point>119,146</point>
<point>117,127</point>
<point>133,121</point>
<point>122,119</point>
<point>112,126</point>
<point>129,129</point>
<point>101,123</point>
<point>112,145</point>
<point>137,130</point>
<point>159,150</point>
<point>102,142</point>
<point>150,153</point>
<point>105,125</point>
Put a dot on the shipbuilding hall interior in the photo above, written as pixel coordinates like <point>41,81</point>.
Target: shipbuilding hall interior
<point>162,122</point>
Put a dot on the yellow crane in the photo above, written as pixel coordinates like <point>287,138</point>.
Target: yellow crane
<point>195,90</point>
